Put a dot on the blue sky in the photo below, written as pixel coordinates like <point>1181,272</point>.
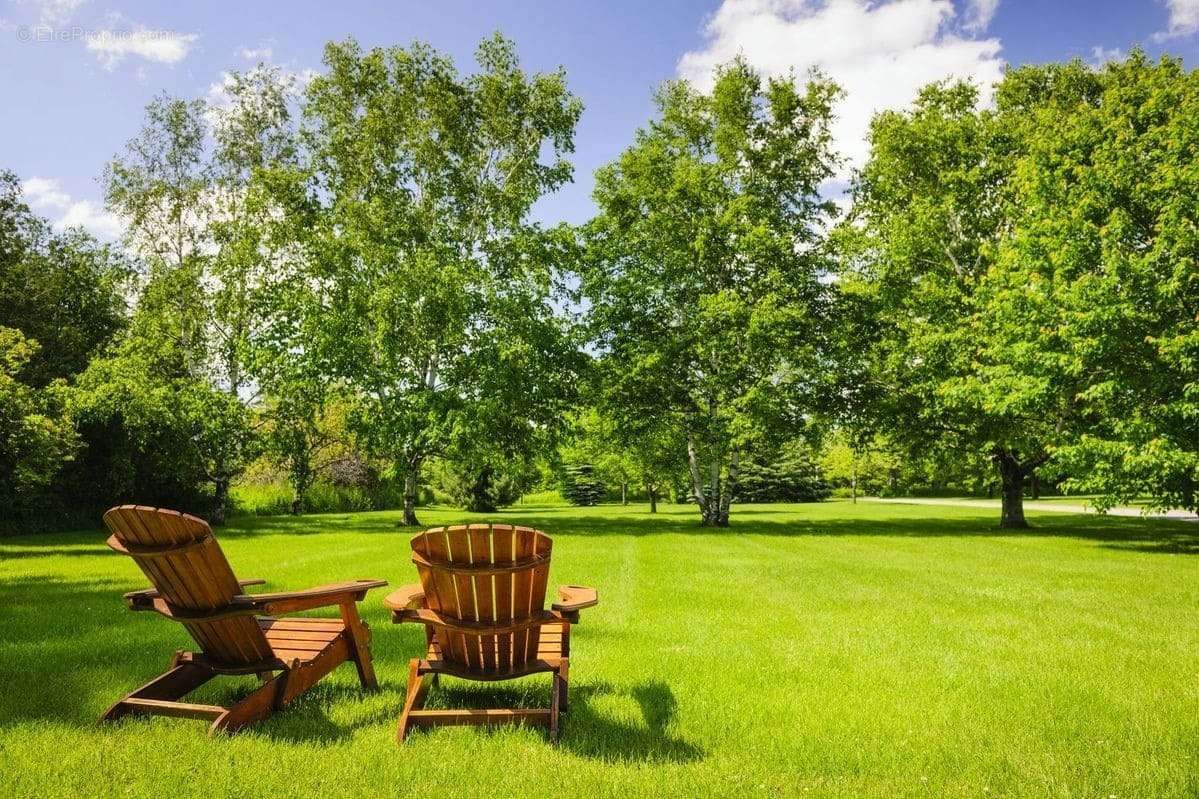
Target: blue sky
<point>76,74</point>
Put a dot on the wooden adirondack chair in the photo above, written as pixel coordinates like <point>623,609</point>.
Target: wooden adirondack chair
<point>194,585</point>
<point>481,598</point>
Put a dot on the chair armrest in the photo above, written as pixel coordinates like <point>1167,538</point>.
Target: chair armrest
<point>409,597</point>
<point>465,626</point>
<point>144,599</point>
<point>573,598</point>
<point>320,597</point>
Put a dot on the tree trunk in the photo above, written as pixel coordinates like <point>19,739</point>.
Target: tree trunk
<point>697,485</point>
<point>729,488</point>
<point>301,481</point>
<point>653,498</point>
<point>220,501</point>
<point>853,483</point>
<point>411,476</point>
<point>1011,476</point>
<point>624,493</point>
<point>1034,484</point>
<point>300,501</point>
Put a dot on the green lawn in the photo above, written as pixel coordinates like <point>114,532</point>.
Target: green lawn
<point>818,650</point>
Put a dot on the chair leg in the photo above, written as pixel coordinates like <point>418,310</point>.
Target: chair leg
<point>360,637</point>
<point>563,684</point>
<point>556,707</point>
<point>261,703</point>
<point>418,687</point>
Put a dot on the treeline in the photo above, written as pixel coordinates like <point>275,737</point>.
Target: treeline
<point>344,287</point>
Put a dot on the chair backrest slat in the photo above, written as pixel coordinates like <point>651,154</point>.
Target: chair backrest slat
<point>195,577</point>
<point>512,591</point>
<point>503,537</point>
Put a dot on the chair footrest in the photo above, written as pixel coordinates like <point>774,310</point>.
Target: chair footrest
<point>432,718</point>
<point>164,707</point>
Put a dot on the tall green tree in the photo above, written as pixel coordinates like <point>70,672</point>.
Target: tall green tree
<point>1107,255</point>
<point>957,360</point>
<point>433,290</point>
<point>705,266</point>
<point>195,190</point>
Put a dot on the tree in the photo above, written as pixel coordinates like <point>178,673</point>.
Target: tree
<point>63,290</point>
<point>640,451</point>
<point>36,439</point>
<point>958,359</point>
<point>300,435</point>
<point>434,291</point>
<point>705,266</point>
<point>201,218</point>
<point>484,488</point>
<point>580,486</point>
<point>154,433</point>
<point>789,475</point>
<point>1108,216</point>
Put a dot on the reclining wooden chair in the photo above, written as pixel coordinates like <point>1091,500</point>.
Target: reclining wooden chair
<point>194,585</point>
<point>481,598</point>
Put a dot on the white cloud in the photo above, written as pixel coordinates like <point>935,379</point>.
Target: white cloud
<point>263,53</point>
<point>93,218</point>
<point>979,14</point>
<point>1184,19</point>
<point>45,193</point>
<point>881,53</point>
<point>112,46</point>
<point>1101,55</point>
<point>46,196</point>
<point>55,12</point>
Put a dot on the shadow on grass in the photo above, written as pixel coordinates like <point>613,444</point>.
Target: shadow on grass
<point>588,730</point>
<point>1133,534</point>
<point>305,721</point>
<point>67,643</point>
<point>908,521</point>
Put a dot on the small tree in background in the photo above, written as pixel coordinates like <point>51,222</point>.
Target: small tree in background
<point>580,486</point>
<point>790,476</point>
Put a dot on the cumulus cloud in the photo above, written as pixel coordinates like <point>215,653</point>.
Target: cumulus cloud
<point>47,197</point>
<point>112,46</point>
<point>1184,19</point>
<point>45,193</point>
<point>979,14</point>
<point>880,53</point>
<point>93,218</point>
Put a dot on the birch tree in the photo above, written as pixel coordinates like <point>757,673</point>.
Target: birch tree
<point>705,265</point>
<point>433,290</point>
